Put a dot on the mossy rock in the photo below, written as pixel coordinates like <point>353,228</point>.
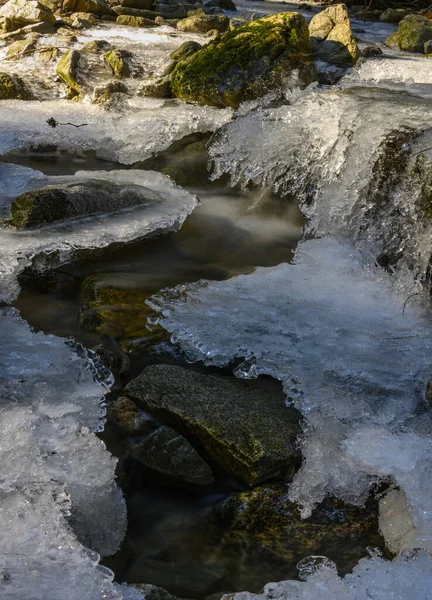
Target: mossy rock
<point>126,416</point>
<point>413,33</point>
<point>157,88</point>
<point>202,23</point>
<point>245,63</point>
<point>244,426</point>
<point>117,60</point>
<point>95,47</point>
<point>97,7</point>
<point>67,69</point>
<point>131,21</point>
<point>13,87</point>
<point>185,50</point>
<point>48,54</point>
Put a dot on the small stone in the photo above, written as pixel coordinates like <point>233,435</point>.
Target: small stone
<point>20,48</point>
<point>130,21</point>
<point>126,415</point>
<point>48,54</point>
<point>157,88</point>
<point>185,50</point>
<point>117,60</point>
<point>331,37</point>
<point>95,46</point>
<point>371,51</point>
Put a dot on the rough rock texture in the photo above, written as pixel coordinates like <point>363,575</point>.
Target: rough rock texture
<point>26,12</point>
<point>185,50</point>
<point>244,427</point>
<point>117,60</point>
<point>67,69</point>
<point>331,36</point>
<point>125,414</point>
<point>97,7</point>
<point>157,88</point>
<point>203,23</point>
<point>20,48</point>
<point>413,33</point>
<point>13,88</point>
<point>170,453</point>
<point>135,21</point>
<point>247,62</point>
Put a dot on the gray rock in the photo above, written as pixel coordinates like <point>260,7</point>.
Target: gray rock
<point>392,15</point>
<point>170,453</point>
<point>243,426</point>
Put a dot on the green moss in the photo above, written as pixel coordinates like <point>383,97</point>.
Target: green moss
<point>414,31</point>
<point>117,61</point>
<point>13,88</point>
<point>67,68</point>
<point>244,63</point>
<point>34,209</point>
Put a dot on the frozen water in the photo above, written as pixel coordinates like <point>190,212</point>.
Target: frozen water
<point>57,485</point>
<point>57,243</point>
<point>352,358</point>
<point>125,139</point>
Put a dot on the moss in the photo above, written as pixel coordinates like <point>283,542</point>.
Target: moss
<point>13,88</point>
<point>117,61</point>
<point>67,68</point>
<point>34,209</point>
<point>414,31</point>
<point>244,63</point>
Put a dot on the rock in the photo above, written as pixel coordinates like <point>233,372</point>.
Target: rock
<point>170,453</point>
<point>130,21</point>
<point>245,63</point>
<point>185,50</point>
<point>126,416</point>
<point>141,4</point>
<point>152,592</point>
<point>97,7</point>
<point>48,54</point>
<point>243,426</point>
<point>157,88</point>
<point>213,33</point>
<point>95,46</point>
<point>331,36</point>
<point>79,23</point>
<point>67,68</point>
<point>428,47</point>
<point>393,15</point>
<point>414,31</point>
<point>105,93</point>
<point>13,87</point>
<point>371,51</point>
<point>117,60</point>
<point>134,12</point>
<point>26,12</point>
<point>89,17</point>
<point>20,48</point>
<point>222,4</point>
<point>202,23</point>
<point>70,200</point>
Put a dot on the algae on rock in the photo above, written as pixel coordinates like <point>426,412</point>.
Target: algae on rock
<point>67,68</point>
<point>13,87</point>
<point>413,33</point>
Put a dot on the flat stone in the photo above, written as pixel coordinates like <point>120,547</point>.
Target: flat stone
<point>243,425</point>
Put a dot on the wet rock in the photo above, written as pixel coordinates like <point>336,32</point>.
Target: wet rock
<point>428,47</point>
<point>134,12</point>
<point>130,21</point>
<point>413,33</point>
<point>20,48</point>
<point>185,50</point>
<point>157,88</point>
<point>97,7</point>
<point>26,12</point>
<point>95,47</point>
<point>48,54</point>
<point>89,17</point>
<point>105,93</point>
<point>67,68</point>
<point>371,51</point>
<point>170,453</point>
<point>331,37</point>
<point>242,425</point>
<point>80,23</point>
<point>202,23</point>
<point>221,4</point>
<point>126,416</point>
<point>393,15</point>
<point>13,87</point>
<point>245,63</point>
<point>140,4</point>
<point>118,61</point>
<point>213,33</point>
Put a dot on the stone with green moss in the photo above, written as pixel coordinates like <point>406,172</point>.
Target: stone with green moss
<point>244,426</point>
<point>421,173</point>
<point>202,23</point>
<point>127,416</point>
<point>67,69</point>
<point>156,88</point>
<point>245,63</point>
<point>413,33</point>
<point>13,87</point>
<point>130,21</point>
<point>117,60</point>
<point>185,50</point>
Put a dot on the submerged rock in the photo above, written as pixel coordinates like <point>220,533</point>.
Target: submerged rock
<point>247,62</point>
<point>170,453</point>
<point>413,33</point>
<point>26,12</point>
<point>203,23</point>
<point>13,87</point>
<point>125,414</point>
<point>243,426</point>
<point>331,37</point>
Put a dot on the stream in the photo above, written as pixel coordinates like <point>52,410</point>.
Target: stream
<point>282,248</point>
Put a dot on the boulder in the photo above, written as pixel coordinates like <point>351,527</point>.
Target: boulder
<point>245,63</point>
<point>203,23</point>
<point>67,68</point>
<point>48,54</point>
<point>331,37</point>
<point>126,416</point>
<point>97,7</point>
<point>26,12</point>
<point>118,61</point>
<point>130,21</point>
<point>243,426</point>
<point>170,453</point>
<point>186,49</point>
<point>413,33</point>
<point>13,87</point>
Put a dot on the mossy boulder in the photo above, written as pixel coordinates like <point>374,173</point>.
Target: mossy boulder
<point>127,416</point>
<point>67,69</point>
<point>185,50</point>
<point>168,452</point>
<point>413,33</point>
<point>118,61</point>
<point>245,63</point>
<point>97,7</point>
<point>245,427</point>
<point>26,12</point>
<point>13,87</point>
<point>156,88</point>
<point>131,21</point>
<point>202,23</point>
<point>331,37</point>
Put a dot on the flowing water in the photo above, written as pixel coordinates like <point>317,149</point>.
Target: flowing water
<point>298,249</point>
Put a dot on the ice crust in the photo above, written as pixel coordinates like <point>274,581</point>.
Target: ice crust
<point>350,356</point>
<point>57,482</point>
<point>57,243</point>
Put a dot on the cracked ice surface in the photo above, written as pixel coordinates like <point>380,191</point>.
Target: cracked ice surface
<point>57,243</point>
<point>57,481</point>
<point>356,364</point>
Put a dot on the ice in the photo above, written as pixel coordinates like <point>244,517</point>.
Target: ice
<point>352,356</point>
<point>125,139</point>
<point>50,246</point>
<point>57,480</point>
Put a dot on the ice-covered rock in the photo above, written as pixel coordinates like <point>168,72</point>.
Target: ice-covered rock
<point>54,244</point>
